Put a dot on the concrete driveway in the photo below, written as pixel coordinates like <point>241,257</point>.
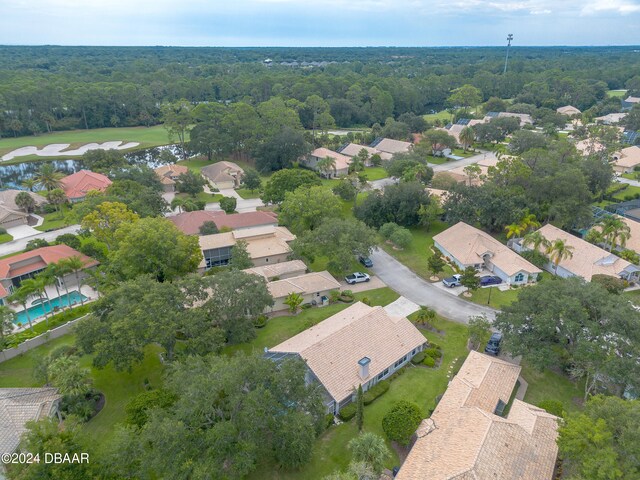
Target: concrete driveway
<point>22,231</point>
<point>20,244</point>
<point>372,284</point>
<point>402,307</point>
<point>409,285</point>
<point>463,163</point>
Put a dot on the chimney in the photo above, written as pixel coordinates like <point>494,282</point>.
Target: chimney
<point>364,367</point>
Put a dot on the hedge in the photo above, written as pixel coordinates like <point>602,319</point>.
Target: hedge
<point>554,407</point>
<point>401,421</point>
<point>433,353</point>
<point>429,362</point>
<point>42,326</point>
<point>418,358</point>
<point>374,392</point>
<point>348,412</point>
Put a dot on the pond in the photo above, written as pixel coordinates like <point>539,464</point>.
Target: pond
<point>12,176</point>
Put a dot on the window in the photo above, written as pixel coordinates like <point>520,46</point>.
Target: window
<point>217,257</point>
<point>519,277</point>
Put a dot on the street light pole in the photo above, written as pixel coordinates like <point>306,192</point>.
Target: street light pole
<point>506,60</point>
<point>489,300</point>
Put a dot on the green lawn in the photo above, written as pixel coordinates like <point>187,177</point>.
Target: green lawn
<point>375,173</point>
<point>5,237</point>
<point>55,220</point>
<point>630,176</point>
<point>279,329</point>
<point>499,299</point>
<point>549,385</point>
<point>415,256</point>
<point>441,115</point>
<point>248,194</point>
<point>617,93</point>
<point>195,164</point>
<point>145,136</point>
<point>628,191</point>
<point>203,197</point>
<point>419,385</point>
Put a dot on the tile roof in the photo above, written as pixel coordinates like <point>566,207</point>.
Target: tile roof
<point>190,222</point>
<point>390,145</point>
<point>634,231</point>
<point>17,407</point>
<point>460,175</point>
<point>168,172</point>
<point>304,284</point>
<point>41,257</point>
<point>333,347</point>
<point>436,192</point>
<point>611,117</point>
<point>278,269</point>
<point>342,161</point>
<point>78,184</point>
<point>589,146</point>
<point>627,157</point>
<point>464,439</point>
<point>588,259</point>
<point>352,149</point>
<point>468,244</point>
<point>631,99</point>
<point>8,198</point>
<point>568,110</point>
<point>221,171</point>
<point>7,213</point>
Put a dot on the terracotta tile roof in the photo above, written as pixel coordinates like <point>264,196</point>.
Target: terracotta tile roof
<point>190,222</point>
<point>304,284</point>
<point>342,161</point>
<point>468,244</point>
<point>627,157</point>
<point>168,172</point>
<point>333,347</point>
<point>464,439</point>
<point>78,184</point>
<point>392,146</point>
<point>8,198</point>
<point>40,258</point>
<point>17,407</point>
<point>278,269</point>
<point>588,259</point>
<point>222,171</point>
<point>568,110</point>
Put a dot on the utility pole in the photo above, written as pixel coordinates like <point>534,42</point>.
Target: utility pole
<point>506,60</point>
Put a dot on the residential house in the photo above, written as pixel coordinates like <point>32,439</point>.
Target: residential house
<point>340,168</point>
<point>611,118</point>
<point>629,102</point>
<point>461,176</point>
<point>441,195</point>
<point>467,436</point>
<point>630,209</point>
<point>361,345</point>
<point>589,146</point>
<point>525,118</point>
<point>314,287</point>
<point>569,111</point>
<point>633,243</point>
<point>12,218</point>
<point>353,149</point>
<point>15,269</point>
<point>8,199</point>
<point>587,259</point>
<point>626,159</point>
<point>189,223</point>
<point>455,129</point>
<point>391,146</point>
<point>18,406</point>
<point>279,271</point>
<point>223,175</point>
<point>77,185</point>
<point>466,246</point>
<point>169,174</point>
<point>265,245</point>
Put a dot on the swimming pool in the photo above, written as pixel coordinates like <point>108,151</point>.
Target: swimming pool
<point>37,311</point>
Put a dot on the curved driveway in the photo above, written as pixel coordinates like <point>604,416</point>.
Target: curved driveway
<point>411,286</point>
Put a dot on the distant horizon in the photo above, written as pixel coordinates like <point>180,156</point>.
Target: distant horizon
<point>316,46</point>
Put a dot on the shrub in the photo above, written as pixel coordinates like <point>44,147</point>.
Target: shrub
<point>334,295</point>
<point>435,345</point>
<point>347,293</point>
<point>366,301</point>
<point>611,284</point>
<point>433,353</point>
<point>137,409</point>
<point>388,229</point>
<point>348,412</point>
<point>3,231</point>
<point>328,420</point>
<point>402,237</point>
<point>70,240</point>
<point>397,373</point>
<point>305,306</point>
<point>36,243</point>
<point>429,362</point>
<point>374,392</point>
<point>554,407</point>
<point>401,422</point>
<point>260,321</point>
<point>418,358</point>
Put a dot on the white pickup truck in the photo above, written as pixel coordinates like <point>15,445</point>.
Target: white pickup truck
<point>356,277</point>
<point>453,281</point>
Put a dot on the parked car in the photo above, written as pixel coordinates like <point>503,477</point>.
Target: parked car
<point>366,261</point>
<point>493,345</point>
<point>490,280</point>
<point>452,281</point>
<point>357,277</point>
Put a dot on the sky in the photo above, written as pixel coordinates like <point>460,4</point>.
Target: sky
<point>319,22</point>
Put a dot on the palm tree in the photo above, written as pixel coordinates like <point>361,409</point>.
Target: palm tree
<point>513,230</point>
<point>41,282</point>
<point>21,295</point>
<point>30,184</point>
<point>467,137</point>
<point>326,165</point>
<point>559,251</point>
<point>60,271</point>
<point>615,231</point>
<point>426,315</point>
<point>76,265</point>
<point>36,287</point>
<point>25,202</point>
<point>536,240</point>
<point>529,222</point>
<point>48,177</point>
<point>52,274</point>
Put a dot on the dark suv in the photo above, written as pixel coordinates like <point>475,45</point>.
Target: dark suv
<point>366,261</point>
<point>493,345</point>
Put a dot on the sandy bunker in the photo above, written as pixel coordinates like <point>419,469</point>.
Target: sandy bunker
<point>58,149</point>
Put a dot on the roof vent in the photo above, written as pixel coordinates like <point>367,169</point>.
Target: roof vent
<point>364,367</point>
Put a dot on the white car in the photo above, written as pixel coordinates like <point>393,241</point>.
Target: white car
<point>357,277</point>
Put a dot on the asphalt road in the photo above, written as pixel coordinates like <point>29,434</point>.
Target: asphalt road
<point>20,244</point>
<point>409,285</point>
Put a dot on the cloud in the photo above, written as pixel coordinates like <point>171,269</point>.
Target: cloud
<point>623,7</point>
